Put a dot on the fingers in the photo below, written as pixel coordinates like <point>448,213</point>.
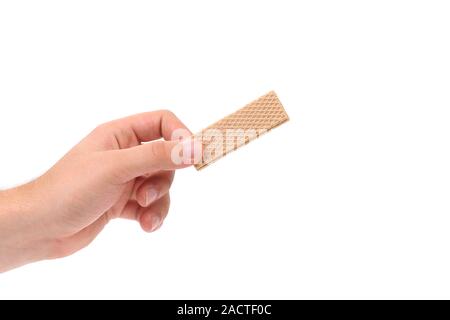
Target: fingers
<point>131,163</point>
<point>154,188</point>
<point>152,201</point>
<point>146,127</point>
<point>133,159</point>
<point>152,218</point>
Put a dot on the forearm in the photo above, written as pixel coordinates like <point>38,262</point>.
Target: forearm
<point>20,242</point>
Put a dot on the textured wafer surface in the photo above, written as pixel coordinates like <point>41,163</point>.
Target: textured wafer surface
<point>240,127</point>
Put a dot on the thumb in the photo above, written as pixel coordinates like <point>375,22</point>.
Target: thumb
<point>155,156</point>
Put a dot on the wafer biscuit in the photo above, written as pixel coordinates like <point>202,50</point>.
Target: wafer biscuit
<point>240,127</point>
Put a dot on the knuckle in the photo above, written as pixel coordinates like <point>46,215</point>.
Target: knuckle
<point>102,130</point>
<point>168,113</point>
<point>102,127</point>
<point>162,184</point>
<point>167,183</point>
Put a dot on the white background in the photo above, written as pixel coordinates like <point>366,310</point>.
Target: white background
<point>350,199</point>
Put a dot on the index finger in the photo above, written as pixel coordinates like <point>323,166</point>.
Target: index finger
<point>149,126</point>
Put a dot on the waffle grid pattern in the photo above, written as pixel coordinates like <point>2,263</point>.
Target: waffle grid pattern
<point>240,127</point>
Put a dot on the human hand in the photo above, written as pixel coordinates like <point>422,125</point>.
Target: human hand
<point>109,174</point>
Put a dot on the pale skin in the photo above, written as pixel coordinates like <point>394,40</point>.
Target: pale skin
<point>109,174</point>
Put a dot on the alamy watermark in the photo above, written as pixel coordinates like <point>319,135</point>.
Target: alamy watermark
<point>210,144</point>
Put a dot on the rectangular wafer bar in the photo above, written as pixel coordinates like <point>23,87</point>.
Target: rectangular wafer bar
<point>240,127</point>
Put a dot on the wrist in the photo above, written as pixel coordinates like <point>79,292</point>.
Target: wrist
<point>20,239</point>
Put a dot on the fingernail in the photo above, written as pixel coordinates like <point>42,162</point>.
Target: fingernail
<point>156,223</point>
<point>151,196</point>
